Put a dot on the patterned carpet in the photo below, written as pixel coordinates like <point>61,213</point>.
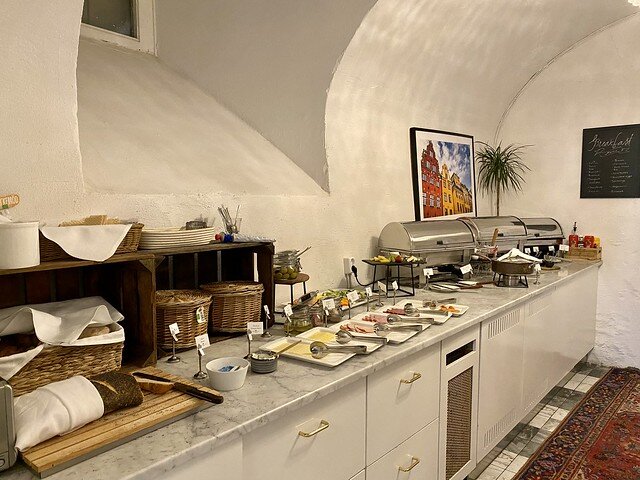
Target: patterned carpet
<point>599,439</point>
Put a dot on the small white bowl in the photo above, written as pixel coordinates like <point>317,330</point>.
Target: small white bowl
<point>226,381</point>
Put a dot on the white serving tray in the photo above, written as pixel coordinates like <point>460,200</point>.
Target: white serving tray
<point>331,360</point>
<point>320,334</point>
<point>393,337</point>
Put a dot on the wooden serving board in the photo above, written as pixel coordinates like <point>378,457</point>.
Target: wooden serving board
<point>113,429</point>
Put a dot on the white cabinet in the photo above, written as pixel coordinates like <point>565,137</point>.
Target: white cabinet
<point>415,458</point>
<point>402,399</point>
<point>225,461</point>
<point>458,404</point>
<point>500,388</point>
<point>326,436</point>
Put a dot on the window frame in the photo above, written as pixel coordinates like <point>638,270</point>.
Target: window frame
<point>145,19</point>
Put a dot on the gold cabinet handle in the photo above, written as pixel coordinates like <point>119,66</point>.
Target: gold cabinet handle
<point>416,376</point>
<point>414,461</point>
<point>323,426</point>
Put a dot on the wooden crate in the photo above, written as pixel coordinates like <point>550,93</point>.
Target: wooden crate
<point>585,253</point>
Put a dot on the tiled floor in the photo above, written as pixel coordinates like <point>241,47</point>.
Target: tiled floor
<point>504,461</point>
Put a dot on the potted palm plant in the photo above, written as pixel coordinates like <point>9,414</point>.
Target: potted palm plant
<point>500,169</point>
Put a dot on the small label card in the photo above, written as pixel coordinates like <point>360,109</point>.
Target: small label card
<point>266,310</point>
<point>202,342</point>
<point>564,248</point>
<point>353,296</point>
<point>552,248</point>
<point>382,287</point>
<point>394,285</point>
<point>255,328</point>
<point>428,272</point>
<point>328,304</point>
<point>466,269</point>
<point>536,249</point>
<point>174,330</point>
<point>368,292</point>
<point>527,251</point>
<point>288,311</point>
<point>200,315</point>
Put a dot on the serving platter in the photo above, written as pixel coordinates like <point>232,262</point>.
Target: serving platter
<point>328,336</point>
<point>393,337</point>
<point>452,309</point>
<point>301,351</point>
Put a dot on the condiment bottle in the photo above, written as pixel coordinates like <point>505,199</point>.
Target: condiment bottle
<point>573,238</point>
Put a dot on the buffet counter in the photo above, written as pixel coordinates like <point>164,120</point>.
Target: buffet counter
<point>222,436</point>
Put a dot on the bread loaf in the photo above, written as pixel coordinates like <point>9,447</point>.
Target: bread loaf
<point>94,332</point>
<point>17,343</point>
<point>154,386</point>
<point>118,390</point>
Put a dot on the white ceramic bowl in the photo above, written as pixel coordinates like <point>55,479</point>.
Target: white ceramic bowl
<point>225,381</point>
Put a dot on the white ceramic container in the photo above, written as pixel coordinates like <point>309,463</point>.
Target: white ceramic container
<point>231,380</point>
<point>19,245</point>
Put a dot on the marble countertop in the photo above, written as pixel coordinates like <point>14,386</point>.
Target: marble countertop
<point>264,398</point>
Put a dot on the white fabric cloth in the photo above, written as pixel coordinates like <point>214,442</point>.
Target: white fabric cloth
<point>55,409</point>
<point>88,242</point>
<point>58,323</point>
<point>516,253</point>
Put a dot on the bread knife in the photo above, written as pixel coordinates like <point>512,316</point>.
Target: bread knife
<point>196,392</point>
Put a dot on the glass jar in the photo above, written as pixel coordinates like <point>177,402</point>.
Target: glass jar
<point>300,321</point>
<point>286,266</point>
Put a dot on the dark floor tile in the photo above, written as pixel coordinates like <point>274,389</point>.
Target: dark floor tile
<point>550,395</point>
<point>562,394</point>
<point>516,445</point>
<point>566,378</point>
<point>599,372</point>
<point>530,449</point>
<point>551,425</point>
<point>527,433</point>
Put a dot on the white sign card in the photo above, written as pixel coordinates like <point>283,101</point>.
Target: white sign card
<point>552,248</point>
<point>536,249</point>
<point>394,285</point>
<point>255,328</point>
<point>266,310</point>
<point>466,269</point>
<point>288,311</point>
<point>174,330</point>
<point>328,304</point>
<point>368,292</point>
<point>564,248</point>
<point>202,342</point>
<point>382,287</point>
<point>428,272</point>
<point>353,296</point>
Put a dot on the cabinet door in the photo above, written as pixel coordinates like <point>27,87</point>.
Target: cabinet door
<point>415,458</point>
<point>402,399</point>
<point>541,350</point>
<point>326,436</point>
<point>500,378</point>
<point>458,404</point>
<point>225,461</point>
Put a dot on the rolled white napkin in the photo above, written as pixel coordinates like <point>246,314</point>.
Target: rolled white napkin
<point>88,242</point>
<point>55,409</point>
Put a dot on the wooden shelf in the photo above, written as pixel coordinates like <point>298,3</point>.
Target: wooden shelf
<point>211,247</point>
<point>62,264</point>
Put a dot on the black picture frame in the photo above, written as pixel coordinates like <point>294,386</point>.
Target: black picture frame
<point>449,153</point>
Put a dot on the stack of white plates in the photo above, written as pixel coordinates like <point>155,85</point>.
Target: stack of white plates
<point>156,238</point>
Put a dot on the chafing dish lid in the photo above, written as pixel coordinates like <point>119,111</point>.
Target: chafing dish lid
<point>509,228</point>
<point>425,236</point>
<point>543,228</point>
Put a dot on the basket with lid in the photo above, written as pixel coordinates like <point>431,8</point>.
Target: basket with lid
<point>189,309</point>
<point>234,304</point>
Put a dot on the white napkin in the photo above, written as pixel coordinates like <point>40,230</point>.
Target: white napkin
<point>88,242</point>
<point>515,253</point>
<point>58,323</point>
<point>55,409</point>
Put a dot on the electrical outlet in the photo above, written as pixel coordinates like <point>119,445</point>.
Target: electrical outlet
<point>347,263</point>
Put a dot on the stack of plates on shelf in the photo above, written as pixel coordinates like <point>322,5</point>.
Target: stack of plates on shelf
<point>156,238</point>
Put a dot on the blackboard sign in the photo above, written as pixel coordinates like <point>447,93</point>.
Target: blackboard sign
<point>610,162</point>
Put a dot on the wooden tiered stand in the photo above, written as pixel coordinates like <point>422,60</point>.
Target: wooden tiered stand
<point>129,281</point>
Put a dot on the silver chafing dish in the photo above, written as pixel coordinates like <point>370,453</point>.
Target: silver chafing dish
<point>512,232</point>
<point>439,242</point>
<point>543,233</point>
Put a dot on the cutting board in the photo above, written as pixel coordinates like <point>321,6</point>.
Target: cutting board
<point>113,429</point>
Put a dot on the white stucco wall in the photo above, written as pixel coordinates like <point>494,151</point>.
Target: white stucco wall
<point>269,62</point>
<point>146,129</point>
<point>593,85</point>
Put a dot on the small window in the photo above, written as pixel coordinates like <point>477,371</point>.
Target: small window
<point>126,23</point>
<point>424,199</point>
<point>431,202</point>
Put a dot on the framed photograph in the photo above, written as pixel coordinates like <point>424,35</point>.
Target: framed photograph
<point>442,165</point>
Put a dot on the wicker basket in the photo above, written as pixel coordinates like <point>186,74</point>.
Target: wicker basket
<point>184,307</point>
<point>50,251</point>
<point>234,304</point>
<point>55,363</point>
